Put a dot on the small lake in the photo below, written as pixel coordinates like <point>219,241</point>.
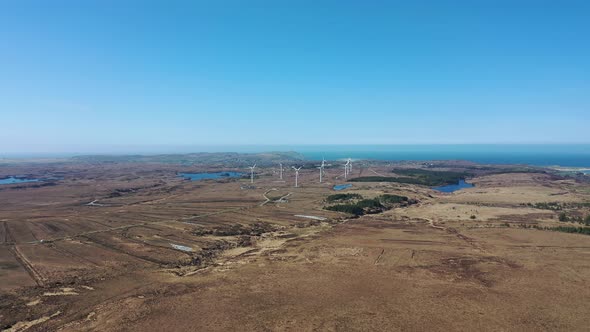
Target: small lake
<point>209,176</point>
<point>181,247</point>
<point>339,187</point>
<point>12,180</point>
<point>453,187</point>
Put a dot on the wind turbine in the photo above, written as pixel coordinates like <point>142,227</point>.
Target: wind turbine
<point>296,174</point>
<point>349,165</point>
<point>252,173</point>
<point>321,168</point>
<point>281,171</point>
<point>346,168</point>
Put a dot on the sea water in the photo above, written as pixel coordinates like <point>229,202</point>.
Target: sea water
<point>573,155</point>
<point>567,155</point>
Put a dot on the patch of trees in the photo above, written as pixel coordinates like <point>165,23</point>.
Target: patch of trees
<point>563,217</point>
<point>392,199</point>
<point>554,206</point>
<point>433,178</point>
<point>347,208</point>
<point>122,191</point>
<point>255,229</point>
<point>418,176</point>
<point>565,229</point>
<point>342,197</point>
<point>28,186</point>
<point>557,206</point>
<point>518,170</point>
<point>358,206</point>
<point>570,229</point>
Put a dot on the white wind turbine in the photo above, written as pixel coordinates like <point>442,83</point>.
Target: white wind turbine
<point>321,168</point>
<point>346,168</point>
<point>296,175</point>
<point>281,171</point>
<point>349,165</point>
<point>252,173</point>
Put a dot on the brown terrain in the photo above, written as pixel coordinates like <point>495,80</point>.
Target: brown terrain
<point>133,247</point>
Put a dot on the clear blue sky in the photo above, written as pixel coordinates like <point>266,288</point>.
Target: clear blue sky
<point>76,75</point>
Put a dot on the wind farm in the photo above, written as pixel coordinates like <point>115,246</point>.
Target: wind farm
<point>294,166</point>
<point>158,236</point>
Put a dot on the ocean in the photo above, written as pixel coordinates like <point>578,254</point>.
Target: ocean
<point>571,155</point>
<point>565,155</point>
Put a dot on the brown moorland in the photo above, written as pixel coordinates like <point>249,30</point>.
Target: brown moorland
<point>124,246</point>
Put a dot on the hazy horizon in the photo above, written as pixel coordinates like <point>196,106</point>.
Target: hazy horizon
<point>202,165</point>
<point>578,149</point>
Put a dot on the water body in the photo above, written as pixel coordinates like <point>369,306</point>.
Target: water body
<point>339,187</point>
<point>12,180</point>
<point>567,155</point>
<point>454,187</point>
<point>181,247</point>
<point>572,155</point>
<point>208,176</point>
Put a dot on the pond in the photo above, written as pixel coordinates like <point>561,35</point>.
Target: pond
<point>339,187</point>
<point>453,187</point>
<point>181,247</point>
<point>12,180</point>
<point>209,176</point>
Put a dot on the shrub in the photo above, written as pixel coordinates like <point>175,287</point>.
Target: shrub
<point>369,203</point>
<point>347,208</point>
<point>570,229</point>
<point>563,217</point>
<point>392,199</point>
<point>342,197</point>
<point>363,206</point>
<point>554,206</point>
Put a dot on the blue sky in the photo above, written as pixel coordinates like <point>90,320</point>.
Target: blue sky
<point>85,75</point>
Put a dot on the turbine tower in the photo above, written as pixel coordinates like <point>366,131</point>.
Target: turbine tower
<point>296,175</point>
<point>346,168</point>
<point>321,168</point>
<point>281,171</point>
<point>252,173</point>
